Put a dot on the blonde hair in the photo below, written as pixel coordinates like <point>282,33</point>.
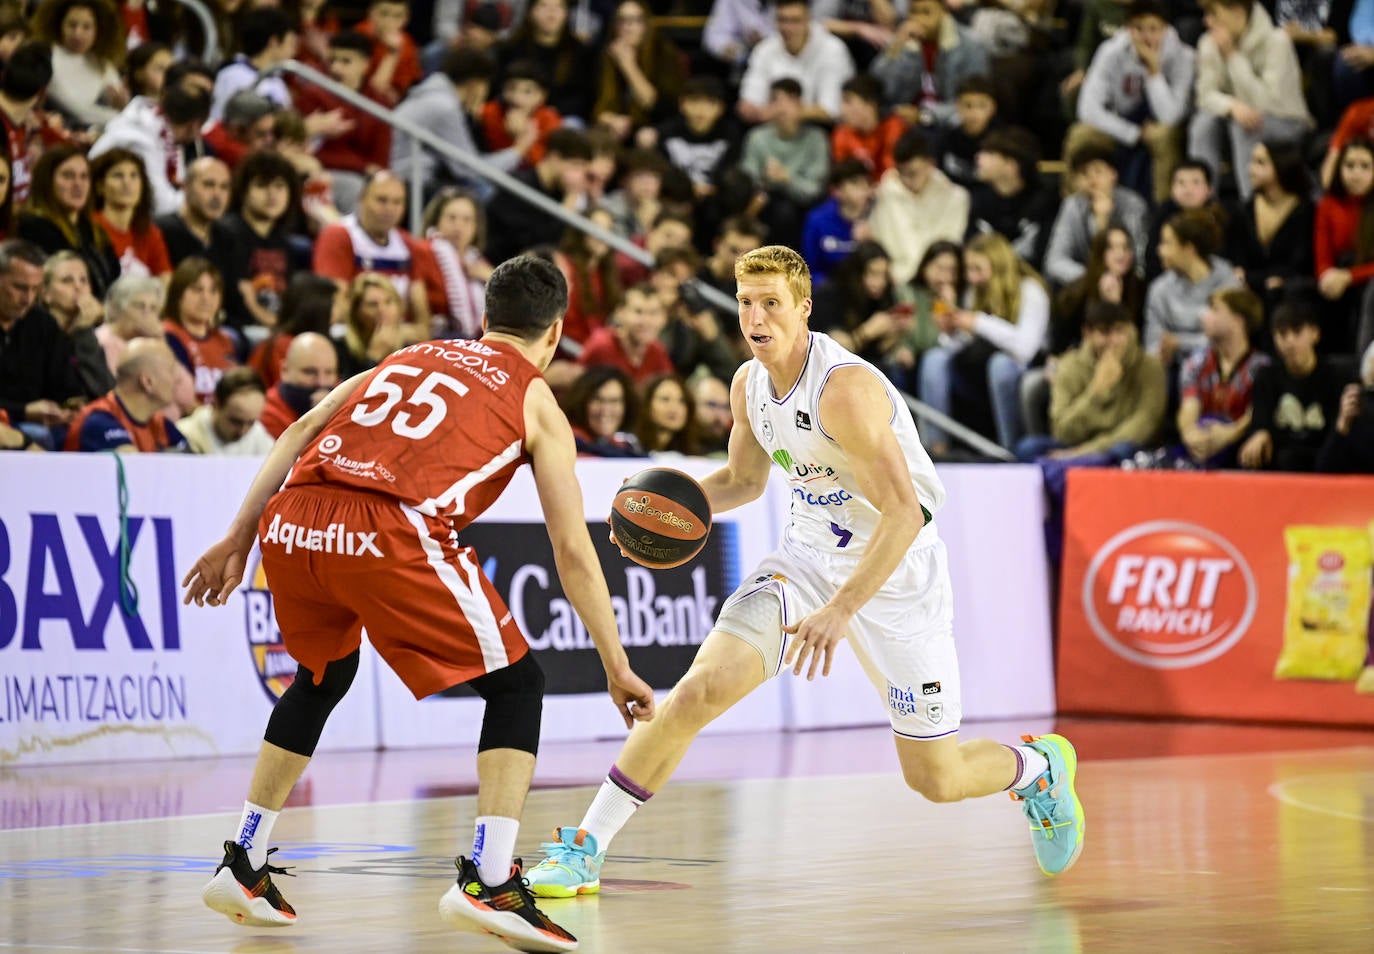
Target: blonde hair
<point>1001,296</point>
<point>776,260</point>
<point>356,336</point>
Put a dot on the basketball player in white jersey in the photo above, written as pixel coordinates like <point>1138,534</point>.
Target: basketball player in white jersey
<point>861,558</point>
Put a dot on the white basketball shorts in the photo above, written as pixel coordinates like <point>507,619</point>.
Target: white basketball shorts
<point>903,637</point>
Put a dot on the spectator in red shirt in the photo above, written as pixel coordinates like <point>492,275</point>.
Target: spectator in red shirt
<point>361,143</point>
<point>1344,262</point>
<point>309,371</point>
<point>862,132</point>
<point>395,65</point>
<point>248,123</point>
<point>523,103</point>
<point>191,323</point>
<point>22,84</point>
<point>371,240</point>
<point>631,341</point>
<point>1217,383</point>
<point>125,202</point>
<point>312,303</point>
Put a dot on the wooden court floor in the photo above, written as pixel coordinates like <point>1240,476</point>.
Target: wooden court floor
<point>1247,851</point>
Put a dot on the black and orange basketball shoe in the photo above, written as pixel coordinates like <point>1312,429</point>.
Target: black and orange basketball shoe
<point>246,896</point>
<point>506,910</point>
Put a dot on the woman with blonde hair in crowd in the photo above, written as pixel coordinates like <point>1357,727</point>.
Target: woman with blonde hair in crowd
<point>455,226</point>
<point>374,330</point>
<point>125,199</point>
<point>88,49</point>
<point>191,320</point>
<point>58,214</point>
<point>641,72</point>
<point>668,422</point>
<point>986,345</point>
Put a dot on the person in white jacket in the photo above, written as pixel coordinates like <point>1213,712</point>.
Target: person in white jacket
<point>1249,87</point>
<point>916,205</point>
<point>156,131</point>
<point>1137,90</point>
<point>985,348</point>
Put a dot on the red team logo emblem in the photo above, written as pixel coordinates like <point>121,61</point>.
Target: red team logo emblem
<point>1169,595</point>
<point>275,667</point>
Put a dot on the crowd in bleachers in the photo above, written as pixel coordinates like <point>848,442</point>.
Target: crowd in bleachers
<point>1096,232</point>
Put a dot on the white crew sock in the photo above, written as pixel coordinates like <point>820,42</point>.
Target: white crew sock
<point>614,805</point>
<point>1030,765</point>
<point>255,827</point>
<point>493,848</point>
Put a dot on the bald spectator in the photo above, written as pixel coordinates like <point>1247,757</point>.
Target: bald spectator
<point>194,228</point>
<point>309,372</point>
<point>129,419</point>
<point>371,240</point>
<point>230,426</point>
<point>197,229</point>
<point>714,418</point>
<point>37,370</point>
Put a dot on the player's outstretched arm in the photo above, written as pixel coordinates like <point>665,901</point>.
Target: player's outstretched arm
<point>219,570</point>
<point>856,411</point>
<point>549,440</point>
<point>745,474</point>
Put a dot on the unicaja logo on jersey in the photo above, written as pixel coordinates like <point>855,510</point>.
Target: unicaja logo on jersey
<point>1169,595</point>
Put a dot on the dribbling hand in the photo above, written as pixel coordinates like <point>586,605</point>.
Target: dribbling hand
<point>217,573</point>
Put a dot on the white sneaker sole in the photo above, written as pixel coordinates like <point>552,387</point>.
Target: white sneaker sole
<point>460,913</point>
<point>224,894</point>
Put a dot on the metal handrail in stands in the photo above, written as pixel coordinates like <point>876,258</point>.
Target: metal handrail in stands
<point>480,167</point>
<point>209,55</point>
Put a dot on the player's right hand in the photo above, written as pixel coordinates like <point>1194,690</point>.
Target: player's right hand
<point>217,573</point>
<point>634,698</point>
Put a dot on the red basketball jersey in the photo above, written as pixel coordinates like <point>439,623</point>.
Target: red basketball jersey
<point>440,426</point>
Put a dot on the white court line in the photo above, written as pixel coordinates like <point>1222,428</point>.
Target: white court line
<point>1277,790</point>
<point>113,950</point>
<point>699,781</point>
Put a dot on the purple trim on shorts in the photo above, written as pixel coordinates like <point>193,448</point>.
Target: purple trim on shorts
<point>1020,765</point>
<point>621,781</point>
<point>925,738</point>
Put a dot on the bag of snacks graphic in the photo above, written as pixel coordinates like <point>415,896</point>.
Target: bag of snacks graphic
<point>1326,624</point>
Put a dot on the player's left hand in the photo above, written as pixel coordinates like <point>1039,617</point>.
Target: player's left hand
<point>815,636</point>
<point>216,574</point>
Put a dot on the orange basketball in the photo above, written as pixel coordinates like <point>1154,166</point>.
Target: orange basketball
<point>660,518</point>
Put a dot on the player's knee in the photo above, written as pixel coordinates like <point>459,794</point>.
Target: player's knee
<point>298,718</point>
<point>935,786</point>
<point>696,700</point>
<point>515,706</point>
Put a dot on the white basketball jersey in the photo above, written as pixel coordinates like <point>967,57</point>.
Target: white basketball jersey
<point>828,509</point>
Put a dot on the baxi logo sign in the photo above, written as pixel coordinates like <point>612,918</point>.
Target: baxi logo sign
<point>1169,595</point>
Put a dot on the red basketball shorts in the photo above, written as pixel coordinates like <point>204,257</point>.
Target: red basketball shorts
<point>340,560</point>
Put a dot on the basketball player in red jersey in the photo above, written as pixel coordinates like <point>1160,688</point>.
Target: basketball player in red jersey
<point>384,474</point>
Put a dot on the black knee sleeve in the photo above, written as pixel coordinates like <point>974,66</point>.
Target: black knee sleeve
<point>303,709</point>
<point>515,705</point>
